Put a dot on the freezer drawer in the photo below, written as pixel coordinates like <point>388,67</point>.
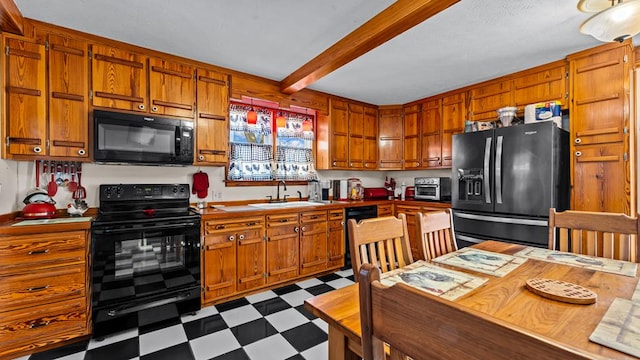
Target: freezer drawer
<point>472,227</point>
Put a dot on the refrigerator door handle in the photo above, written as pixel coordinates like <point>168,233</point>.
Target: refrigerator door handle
<point>469,239</point>
<point>504,220</point>
<point>486,179</point>
<point>498,172</point>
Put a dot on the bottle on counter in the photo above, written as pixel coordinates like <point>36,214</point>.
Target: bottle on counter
<point>403,190</point>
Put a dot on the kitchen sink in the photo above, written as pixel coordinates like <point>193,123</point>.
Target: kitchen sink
<point>284,205</point>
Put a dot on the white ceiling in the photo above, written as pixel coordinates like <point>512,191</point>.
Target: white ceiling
<point>472,41</point>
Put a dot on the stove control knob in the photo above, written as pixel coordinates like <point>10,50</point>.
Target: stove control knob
<point>175,189</point>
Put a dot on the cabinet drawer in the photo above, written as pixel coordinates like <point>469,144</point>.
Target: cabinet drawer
<point>281,219</point>
<point>313,228</point>
<point>407,210</point>
<point>229,237</point>
<point>313,216</point>
<point>385,210</point>
<point>42,325</point>
<point>336,225</point>
<point>284,230</point>
<point>212,227</point>
<point>41,287</point>
<point>337,214</point>
<point>29,251</point>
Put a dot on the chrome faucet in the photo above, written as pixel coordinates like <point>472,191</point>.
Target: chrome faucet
<point>278,191</point>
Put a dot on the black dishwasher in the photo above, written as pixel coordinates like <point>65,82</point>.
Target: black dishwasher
<point>357,213</point>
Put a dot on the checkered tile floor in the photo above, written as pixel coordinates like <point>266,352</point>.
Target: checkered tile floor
<point>271,325</point>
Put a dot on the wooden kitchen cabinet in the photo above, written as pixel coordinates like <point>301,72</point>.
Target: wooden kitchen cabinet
<point>356,136</point>
<point>283,245</point>
<point>25,100</point>
<point>44,292</point>
<point>544,83</point>
<point>335,239</point>
<point>212,121</point>
<point>118,79</point>
<point>412,137</point>
<point>234,257</point>
<point>486,98</point>
<point>385,210</point>
<point>68,97</point>
<point>313,242</point>
<point>454,112</point>
<point>431,133</point>
<point>339,140</point>
<point>370,138</point>
<point>390,137</point>
<point>171,88</point>
<point>603,153</point>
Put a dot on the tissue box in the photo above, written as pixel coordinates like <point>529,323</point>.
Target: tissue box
<point>547,111</point>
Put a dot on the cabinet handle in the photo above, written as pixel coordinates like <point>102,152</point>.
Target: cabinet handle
<point>578,153</point>
<point>284,220</point>
<point>314,217</point>
<point>251,223</point>
<point>38,252</point>
<point>39,324</point>
<point>342,223</point>
<point>351,164</point>
<point>304,228</point>
<point>154,108</point>
<point>577,140</point>
<point>37,149</point>
<point>296,229</point>
<point>231,237</point>
<point>218,227</point>
<point>38,288</point>
<point>241,237</point>
<point>335,163</point>
<point>201,157</point>
<point>81,152</point>
<point>141,106</point>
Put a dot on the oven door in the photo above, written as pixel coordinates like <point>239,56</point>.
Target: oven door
<point>139,268</point>
<point>427,192</point>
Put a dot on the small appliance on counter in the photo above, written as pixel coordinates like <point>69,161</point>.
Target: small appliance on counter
<point>377,193</point>
<point>313,189</point>
<point>410,193</point>
<point>356,191</point>
<point>340,191</point>
<point>432,188</point>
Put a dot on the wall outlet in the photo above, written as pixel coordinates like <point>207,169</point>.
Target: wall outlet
<point>217,195</point>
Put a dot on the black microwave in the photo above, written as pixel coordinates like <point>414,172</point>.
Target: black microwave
<point>141,139</point>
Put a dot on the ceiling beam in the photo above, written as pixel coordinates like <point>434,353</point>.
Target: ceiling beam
<point>399,17</point>
<point>11,19</point>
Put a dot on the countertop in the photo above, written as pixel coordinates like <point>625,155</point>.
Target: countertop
<point>228,210</point>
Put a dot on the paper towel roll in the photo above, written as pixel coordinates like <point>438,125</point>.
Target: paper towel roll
<point>343,190</point>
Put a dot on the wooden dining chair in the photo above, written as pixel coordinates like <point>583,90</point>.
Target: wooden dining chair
<point>435,230</point>
<point>380,241</point>
<point>415,324</point>
<point>609,235</point>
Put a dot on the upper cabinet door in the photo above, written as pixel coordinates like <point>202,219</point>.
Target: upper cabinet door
<point>412,137</point>
<point>390,140</point>
<point>431,129</point>
<point>356,136</point>
<point>454,112</point>
<point>541,84</point>
<point>118,78</point>
<point>489,97</point>
<point>171,88</point>
<point>600,95</point>
<point>68,97</point>
<point>370,138</point>
<point>212,122</point>
<point>340,134</point>
<point>25,113</point>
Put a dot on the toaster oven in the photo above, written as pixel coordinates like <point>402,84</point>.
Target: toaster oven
<point>432,188</point>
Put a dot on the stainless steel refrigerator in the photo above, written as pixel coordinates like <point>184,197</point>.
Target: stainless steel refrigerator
<point>505,180</point>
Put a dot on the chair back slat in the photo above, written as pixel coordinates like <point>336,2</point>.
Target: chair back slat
<point>609,235</point>
<point>435,229</point>
<point>382,242</point>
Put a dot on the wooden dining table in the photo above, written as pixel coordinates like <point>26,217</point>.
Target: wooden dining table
<point>505,298</point>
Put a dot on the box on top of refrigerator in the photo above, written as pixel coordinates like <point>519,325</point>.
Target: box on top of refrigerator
<point>546,111</point>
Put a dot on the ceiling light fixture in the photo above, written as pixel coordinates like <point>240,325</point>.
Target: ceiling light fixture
<point>615,20</point>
